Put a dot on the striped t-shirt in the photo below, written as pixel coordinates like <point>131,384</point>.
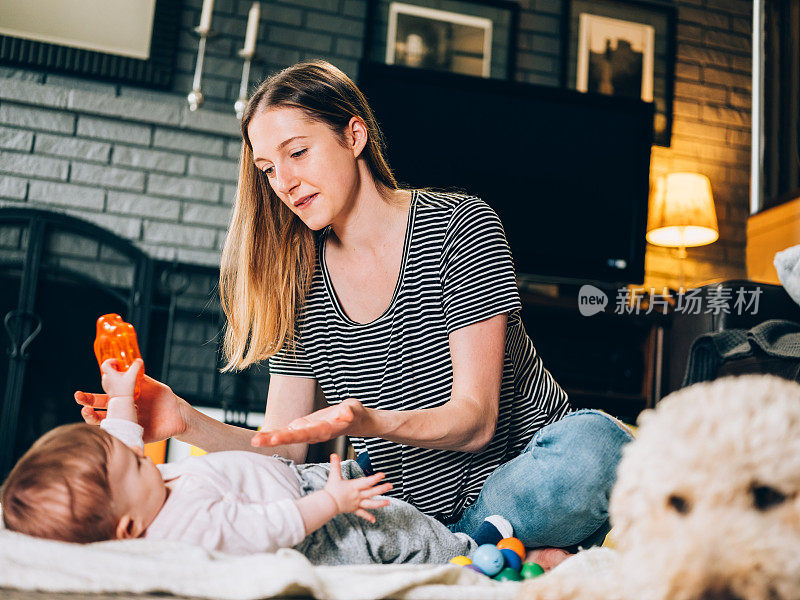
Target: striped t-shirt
<point>456,270</point>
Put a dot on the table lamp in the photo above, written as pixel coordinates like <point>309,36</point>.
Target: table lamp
<point>682,214</point>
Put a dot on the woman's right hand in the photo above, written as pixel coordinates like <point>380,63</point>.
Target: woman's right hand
<point>159,411</point>
<point>320,426</point>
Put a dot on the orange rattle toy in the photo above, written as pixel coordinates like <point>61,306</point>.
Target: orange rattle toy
<point>117,339</point>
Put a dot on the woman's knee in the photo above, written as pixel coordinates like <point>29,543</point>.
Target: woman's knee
<point>586,439</point>
<point>556,492</point>
<point>580,453</point>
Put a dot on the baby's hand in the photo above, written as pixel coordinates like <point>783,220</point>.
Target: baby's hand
<point>116,382</point>
<point>356,495</point>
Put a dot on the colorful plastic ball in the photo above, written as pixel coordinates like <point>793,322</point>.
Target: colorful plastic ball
<point>512,559</point>
<point>488,559</point>
<point>531,570</point>
<point>508,575</point>
<point>474,568</point>
<point>514,544</point>
<point>461,560</point>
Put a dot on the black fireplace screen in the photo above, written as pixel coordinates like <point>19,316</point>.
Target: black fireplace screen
<point>57,275</point>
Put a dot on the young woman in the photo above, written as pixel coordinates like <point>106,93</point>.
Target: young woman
<point>402,306</point>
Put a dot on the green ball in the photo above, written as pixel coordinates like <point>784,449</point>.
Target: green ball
<point>531,570</point>
<point>508,574</point>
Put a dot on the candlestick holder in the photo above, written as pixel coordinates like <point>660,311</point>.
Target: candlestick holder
<point>241,102</point>
<point>195,97</point>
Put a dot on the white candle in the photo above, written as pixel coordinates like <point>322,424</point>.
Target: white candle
<point>252,29</point>
<point>205,15</point>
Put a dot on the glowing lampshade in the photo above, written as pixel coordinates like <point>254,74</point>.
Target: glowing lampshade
<point>682,212</point>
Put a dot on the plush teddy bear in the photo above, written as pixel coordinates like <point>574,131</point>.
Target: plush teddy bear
<point>706,504</point>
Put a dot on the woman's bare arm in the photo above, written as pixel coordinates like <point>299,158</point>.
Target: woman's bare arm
<point>164,414</point>
<point>288,399</point>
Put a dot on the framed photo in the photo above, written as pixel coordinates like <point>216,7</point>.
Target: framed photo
<point>623,48</point>
<point>472,37</point>
<point>117,40</point>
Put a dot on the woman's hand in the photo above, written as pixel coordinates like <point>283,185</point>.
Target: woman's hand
<point>160,412</point>
<point>356,495</point>
<point>319,426</point>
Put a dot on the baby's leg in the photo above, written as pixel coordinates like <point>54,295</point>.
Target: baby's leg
<point>401,534</point>
<point>314,476</point>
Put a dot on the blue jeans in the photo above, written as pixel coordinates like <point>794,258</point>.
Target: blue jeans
<point>555,493</point>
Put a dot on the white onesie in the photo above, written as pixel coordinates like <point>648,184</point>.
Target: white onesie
<point>236,502</point>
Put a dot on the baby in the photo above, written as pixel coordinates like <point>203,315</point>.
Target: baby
<point>82,483</point>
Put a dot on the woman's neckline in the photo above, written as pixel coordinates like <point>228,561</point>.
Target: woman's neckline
<point>401,275</point>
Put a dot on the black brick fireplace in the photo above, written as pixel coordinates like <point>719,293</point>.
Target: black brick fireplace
<point>59,273</point>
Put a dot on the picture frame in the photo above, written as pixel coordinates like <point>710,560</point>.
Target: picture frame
<point>623,48</point>
<point>471,37</point>
<point>148,60</point>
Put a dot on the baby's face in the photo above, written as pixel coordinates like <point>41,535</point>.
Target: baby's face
<point>137,488</point>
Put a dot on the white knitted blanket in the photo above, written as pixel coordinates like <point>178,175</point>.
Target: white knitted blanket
<point>142,566</point>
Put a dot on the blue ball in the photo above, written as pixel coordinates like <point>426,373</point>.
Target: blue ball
<point>513,561</point>
<point>488,559</point>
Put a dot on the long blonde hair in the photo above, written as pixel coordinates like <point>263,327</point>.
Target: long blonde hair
<point>269,254</point>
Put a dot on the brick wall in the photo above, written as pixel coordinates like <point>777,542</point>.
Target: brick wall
<point>139,163</point>
<point>150,171</point>
<point>290,31</point>
<point>711,132</point>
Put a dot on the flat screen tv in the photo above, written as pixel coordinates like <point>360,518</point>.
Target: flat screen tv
<point>567,172</point>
